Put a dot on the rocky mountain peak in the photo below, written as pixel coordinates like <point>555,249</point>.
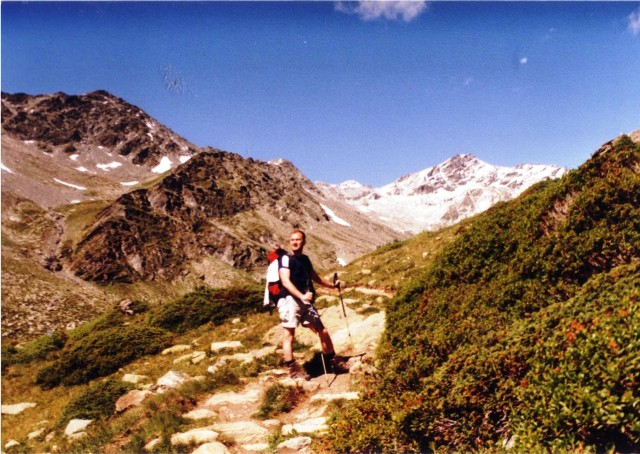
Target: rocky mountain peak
<point>444,194</point>
<point>77,123</point>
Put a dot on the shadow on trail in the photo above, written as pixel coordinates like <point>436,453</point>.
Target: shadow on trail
<point>315,367</point>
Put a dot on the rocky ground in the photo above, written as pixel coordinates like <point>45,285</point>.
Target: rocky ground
<point>227,422</point>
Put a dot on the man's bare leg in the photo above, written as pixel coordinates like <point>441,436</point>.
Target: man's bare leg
<point>288,335</point>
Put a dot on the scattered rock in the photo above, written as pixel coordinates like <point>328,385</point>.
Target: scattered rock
<point>200,413</point>
<point>77,436</point>
<point>77,425</point>
<point>198,357</point>
<point>172,379</point>
<point>152,444</point>
<point>264,352</point>
<point>134,378</point>
<point>197,436</point>
<point>271,423</point>
<point>16,409</point>
<point>309,426</point>
<point>235,321</point>
<point>36,434</point>
<point>227,345</point>
<point>214,447</point>
<point>176,349</point>
<point>183,358</point>
<point>256,447</point>
<point>11,444</point>
<point>251,396</point>
<point>131,399</point>
<point>242,432</point>
<point>295,443</point>
<point>125,307</point>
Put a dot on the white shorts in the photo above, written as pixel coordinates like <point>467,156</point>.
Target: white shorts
<point>293,312</point>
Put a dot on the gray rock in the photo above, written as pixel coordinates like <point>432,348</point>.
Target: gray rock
<point>16,409</point>
<point>295,443</point>
<point>77,425</point>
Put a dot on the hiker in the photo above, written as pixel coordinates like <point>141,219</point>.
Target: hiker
<point>296,306</point>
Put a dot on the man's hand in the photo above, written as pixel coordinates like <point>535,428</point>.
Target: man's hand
<point>307,298</point>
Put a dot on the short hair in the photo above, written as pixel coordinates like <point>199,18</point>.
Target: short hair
<point>304,235</point>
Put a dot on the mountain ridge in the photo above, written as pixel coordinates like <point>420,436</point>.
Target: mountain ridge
<point>441,195</point>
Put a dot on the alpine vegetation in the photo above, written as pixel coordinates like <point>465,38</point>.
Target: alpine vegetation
<point>523,333</point>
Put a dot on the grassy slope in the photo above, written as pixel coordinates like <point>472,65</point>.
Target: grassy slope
<point>470,345</point>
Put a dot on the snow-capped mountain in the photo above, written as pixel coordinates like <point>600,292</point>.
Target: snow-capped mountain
<point>442,195</point>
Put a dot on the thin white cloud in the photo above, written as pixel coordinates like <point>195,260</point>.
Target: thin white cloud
<point>390,10</point>
<point>634,22</point>
<point>524,60</point>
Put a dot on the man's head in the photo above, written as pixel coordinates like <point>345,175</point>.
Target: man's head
<point>297,241</point>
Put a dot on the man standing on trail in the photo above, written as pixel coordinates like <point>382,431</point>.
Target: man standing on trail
<point>296,306</point>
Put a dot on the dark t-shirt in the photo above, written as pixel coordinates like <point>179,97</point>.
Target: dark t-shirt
<point>301,270</point>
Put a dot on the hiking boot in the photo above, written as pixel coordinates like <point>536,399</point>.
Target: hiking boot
<point>296,372</point>
<point>338,366</point>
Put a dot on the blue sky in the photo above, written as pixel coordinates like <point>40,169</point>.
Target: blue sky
<point>368,91</point>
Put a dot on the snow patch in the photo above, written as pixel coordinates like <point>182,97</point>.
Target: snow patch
<point>150,135</point>
<point>165,164</point>
<point>82,169</point>
<point>74,186</point>
<point>341,261</point>
<point>333,216</point>
<point>74,157</point>
<point>29,142</point>
<point>129,183</point>
<point>5,168</point>
<point>184,159</point>
<point>107,167</point>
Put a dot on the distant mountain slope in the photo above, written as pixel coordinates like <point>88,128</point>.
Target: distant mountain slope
<point>216,206</point>
<point>60,148</point>
<point>94,188</point>
<point>523,332</point>
<point>442,195</point>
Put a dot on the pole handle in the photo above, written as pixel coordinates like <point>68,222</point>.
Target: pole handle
<point>335,279</point>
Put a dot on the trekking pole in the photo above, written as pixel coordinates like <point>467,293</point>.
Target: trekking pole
<point>324,366</point>
<point>344,311</point>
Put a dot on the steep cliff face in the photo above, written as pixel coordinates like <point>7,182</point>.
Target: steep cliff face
<point>97,118</point>
<point>217,205</point>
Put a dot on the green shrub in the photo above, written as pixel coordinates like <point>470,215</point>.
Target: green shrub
<point>476,348</point>
<point>98,401</point>
<point>206,305</point>
<point>36,350</point>
<point>102,353</point>
<point>110,319</point>
<point>279,399</point>
<point>583,385</point>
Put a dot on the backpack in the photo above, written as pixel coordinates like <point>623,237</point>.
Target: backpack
<point>273,286</point>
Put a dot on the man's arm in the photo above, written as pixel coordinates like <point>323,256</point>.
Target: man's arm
<point>320,280</point>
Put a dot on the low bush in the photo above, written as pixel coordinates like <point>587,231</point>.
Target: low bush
<point>206,305</point>
<point>98,401</point>
<point>524,328</point>
<point>101,353</point>
<point>583,386</point>
<point>38,349</point>
<point>279,399</point>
